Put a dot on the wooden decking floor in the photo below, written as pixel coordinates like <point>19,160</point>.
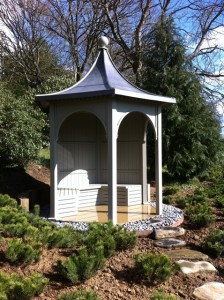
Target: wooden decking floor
<point>125,214</point>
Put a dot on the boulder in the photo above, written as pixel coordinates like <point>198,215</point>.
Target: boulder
<point>168,232</point>
<point>170,243</point>
<point>210,291</point>
<point>189,267</point>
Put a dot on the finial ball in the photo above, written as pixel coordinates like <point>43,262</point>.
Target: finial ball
<point>103,42</point>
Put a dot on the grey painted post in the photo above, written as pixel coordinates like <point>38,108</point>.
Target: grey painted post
<point>53,164</point>
<point>112,164</point>
<point>144,171</point>
<point>159,200</point>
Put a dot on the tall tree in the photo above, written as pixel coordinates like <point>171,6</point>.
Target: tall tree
<point>75,26</point>
<point>27,58</point>
<point>191,131</point>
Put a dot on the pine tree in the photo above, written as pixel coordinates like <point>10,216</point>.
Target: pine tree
<point>191,130</point>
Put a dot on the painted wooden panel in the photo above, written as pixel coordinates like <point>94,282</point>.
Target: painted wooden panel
<point>67,202</point>
<point>126,195</point>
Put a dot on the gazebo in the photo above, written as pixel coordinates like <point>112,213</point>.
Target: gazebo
<point>98,141</point>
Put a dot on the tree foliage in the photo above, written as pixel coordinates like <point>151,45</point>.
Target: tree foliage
<point>20,129</point>
<point>191,131</point>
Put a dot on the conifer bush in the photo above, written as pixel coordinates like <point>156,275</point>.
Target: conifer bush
<point>18,287</point>
<point>101,233</point>
<point>219,201</point>
<point>6,200</point>
<point>124,239</point>
<point>82,264</point>
<point>19,252</point>
<point>214,243</point>
<point>154,267</point>
<point>171,190</point>
<point>200,214</point>
<point>79,295</point>
<point>112,237</point>
<point>64,237</point>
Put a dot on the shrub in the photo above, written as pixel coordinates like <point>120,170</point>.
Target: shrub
<point>214,243</point>
<point>79,295</point>
<point>219,200</point>
<point>64,237</point>
<point>111,237</point>
<point>17,287</point>
<point>6,200</point>
<point>13,221</point>
<point>161,295</point>
<point>168,199</point>
<point>36,210</point>
<point>18,251</point>
<point>102,233</point>
<point>170,190</point>
<point>154,267</point>
<point>200,214</point>
<point>81,265</point>
<point>124,239</point>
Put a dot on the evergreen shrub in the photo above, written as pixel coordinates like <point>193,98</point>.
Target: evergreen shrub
<point>6,200</point>
<point>200,214</point>
<point>82,264</point>
<point>154,267</point>
<point>171,190</point>
<point>168,199</point>
<point>161,295</point>
<point>20,252</point>
<point>64,237</point>
<point>79,295</point>
<point>112,237</point>
<point>214,243</point>
<point>18,287</point>
<point>219,201</point>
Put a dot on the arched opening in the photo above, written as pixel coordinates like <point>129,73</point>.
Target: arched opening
<point>81,148</point>
<point>134,156</point>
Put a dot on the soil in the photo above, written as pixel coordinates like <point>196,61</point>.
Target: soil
<point>118,280</point>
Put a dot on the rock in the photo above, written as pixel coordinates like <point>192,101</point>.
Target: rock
<point>210,291</point>
<point>185,253</point>
<point>189,267</point>
<point>170,243</point>
<point>168,231</point>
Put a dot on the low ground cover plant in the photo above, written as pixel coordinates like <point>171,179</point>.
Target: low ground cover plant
<point>213,244</point>
<point>18,287</point>
<point>154,267</point>
<point>79,295</point>
<point>161,295</point>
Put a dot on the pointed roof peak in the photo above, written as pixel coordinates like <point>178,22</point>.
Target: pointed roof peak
<point>103,42</point>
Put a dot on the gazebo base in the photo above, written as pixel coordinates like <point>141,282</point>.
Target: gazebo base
<point>99,213</point>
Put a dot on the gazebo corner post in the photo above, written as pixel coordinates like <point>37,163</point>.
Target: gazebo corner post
<point>158,159</point>
<point>144,171</point>
<point>53,165</point>
<point>112,164</point>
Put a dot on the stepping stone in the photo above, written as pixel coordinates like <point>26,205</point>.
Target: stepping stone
<point>210,291</point>
<point>185,253</point>
<point>170,243</point>
<point>189,267</point>
<point>168,231</point>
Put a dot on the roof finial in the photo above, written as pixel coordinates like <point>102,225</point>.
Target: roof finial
<point>103,42</point>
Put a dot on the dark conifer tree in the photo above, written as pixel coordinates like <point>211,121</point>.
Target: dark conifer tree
<point>191,130</point>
